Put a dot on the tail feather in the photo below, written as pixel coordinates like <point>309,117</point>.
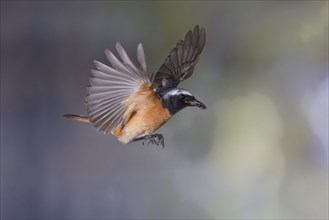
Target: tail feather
<point>77,118</point>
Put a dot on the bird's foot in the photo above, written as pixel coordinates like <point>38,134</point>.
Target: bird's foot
<point>154,139</point>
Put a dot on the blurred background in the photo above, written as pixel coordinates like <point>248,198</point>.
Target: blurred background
<point>259,151</point>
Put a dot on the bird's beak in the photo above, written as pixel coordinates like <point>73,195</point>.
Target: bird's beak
<point>197,103</point>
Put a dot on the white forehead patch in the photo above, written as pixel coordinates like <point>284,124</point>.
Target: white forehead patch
<point>177,91</point>
<point>184,92</point>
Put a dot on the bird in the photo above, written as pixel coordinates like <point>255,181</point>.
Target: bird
<point>125,100</point>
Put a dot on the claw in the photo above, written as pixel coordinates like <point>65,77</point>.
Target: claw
<point>155,139</point>
<point>151,139</point>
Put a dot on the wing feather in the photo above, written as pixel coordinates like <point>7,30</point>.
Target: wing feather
<point>113,72</point>
<point>180,63</point>
<point>187,43</point>
<point>180,52</point>
<point>141,57</point>
<point>111,86</point>
<point>125,58</point>
<point>108,106</point>
<point>117,64</point>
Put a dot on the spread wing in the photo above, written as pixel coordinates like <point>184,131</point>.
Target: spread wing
<point>111,86</point>
<point>179,65</point>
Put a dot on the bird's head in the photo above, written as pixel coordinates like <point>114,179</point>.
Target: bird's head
<point>176,99</point>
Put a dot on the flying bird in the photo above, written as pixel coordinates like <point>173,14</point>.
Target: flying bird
<point>125,100</point>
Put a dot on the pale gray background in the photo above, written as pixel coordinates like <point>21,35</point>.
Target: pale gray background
<point>260,150</point>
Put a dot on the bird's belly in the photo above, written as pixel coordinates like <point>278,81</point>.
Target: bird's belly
<point>143,122</point>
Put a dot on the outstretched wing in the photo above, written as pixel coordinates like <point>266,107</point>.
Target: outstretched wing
<point>111,86</point>
<point>179,65</point>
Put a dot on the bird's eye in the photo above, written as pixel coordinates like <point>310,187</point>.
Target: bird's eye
<point>182,96</point>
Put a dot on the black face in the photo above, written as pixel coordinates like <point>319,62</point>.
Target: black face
<point>177,99</point>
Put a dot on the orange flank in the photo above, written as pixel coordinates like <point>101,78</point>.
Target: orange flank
<point>145,114</point>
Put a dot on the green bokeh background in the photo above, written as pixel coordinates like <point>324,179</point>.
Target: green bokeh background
<point>260,150</point>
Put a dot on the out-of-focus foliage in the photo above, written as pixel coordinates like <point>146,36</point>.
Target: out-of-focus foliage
<point>260,150</point>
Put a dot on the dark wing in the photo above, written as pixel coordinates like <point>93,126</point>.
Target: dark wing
<point>179,65</point>
<point>111,86</point>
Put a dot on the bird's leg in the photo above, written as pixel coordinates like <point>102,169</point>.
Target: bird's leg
<point>151,139</point>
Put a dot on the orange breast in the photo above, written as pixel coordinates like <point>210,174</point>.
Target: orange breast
<point>144,115</point>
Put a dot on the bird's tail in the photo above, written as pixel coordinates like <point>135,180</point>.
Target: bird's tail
<point>77,118</point>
